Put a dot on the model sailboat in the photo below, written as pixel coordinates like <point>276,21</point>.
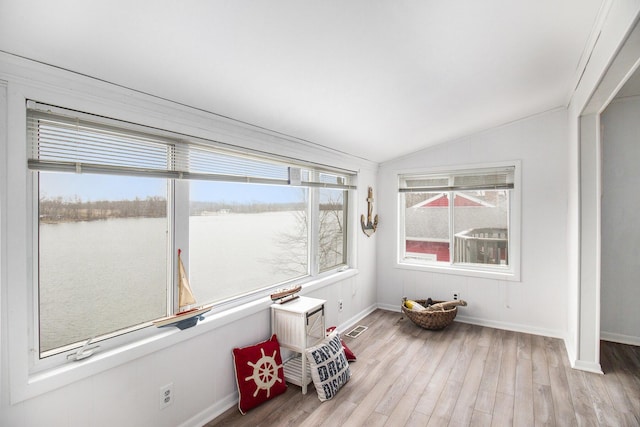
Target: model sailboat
<point>186,316</point>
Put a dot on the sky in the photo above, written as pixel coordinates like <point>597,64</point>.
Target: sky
<point>92,187</point>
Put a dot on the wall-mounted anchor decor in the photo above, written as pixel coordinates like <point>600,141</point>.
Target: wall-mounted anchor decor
<point>369,227</point>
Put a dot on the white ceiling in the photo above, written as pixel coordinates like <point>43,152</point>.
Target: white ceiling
<point>374,78</point>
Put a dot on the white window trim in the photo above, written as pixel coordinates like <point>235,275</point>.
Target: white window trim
<point>510,273</point>
<point>27,80</point>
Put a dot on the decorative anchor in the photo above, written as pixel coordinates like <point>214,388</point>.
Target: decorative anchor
<point>369,227</point>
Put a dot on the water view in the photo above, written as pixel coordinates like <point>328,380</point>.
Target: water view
<point>104,241</point>
<point>105,275</point>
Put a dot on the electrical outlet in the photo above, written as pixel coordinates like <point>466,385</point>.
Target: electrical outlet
<point>166,395</point>
<point>339,305</point>
<point>456,296</point>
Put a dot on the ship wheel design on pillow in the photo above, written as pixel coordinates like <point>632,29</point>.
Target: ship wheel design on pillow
<point>265,373</point>
<point>259,373</point>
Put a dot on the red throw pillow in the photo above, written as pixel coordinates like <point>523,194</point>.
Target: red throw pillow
<point>347,351</point>
<point>259,373</point>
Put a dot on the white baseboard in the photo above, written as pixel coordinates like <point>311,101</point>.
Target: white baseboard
<point>493,324</point>
<point>619,338</point>
<point>389,307</point>
<point>356,318</point>
<point>587,366</point>
<point>570,349</point>
<point>515,327</point>
<point>213,411</point>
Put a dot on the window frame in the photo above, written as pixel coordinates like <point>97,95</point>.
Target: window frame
<point>178,219</point>
<point>500,272</point>
<point>57,356</point>
<point>319,269</point>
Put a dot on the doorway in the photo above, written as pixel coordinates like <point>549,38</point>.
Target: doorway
<point>620,227</point>
<point>619,71</point>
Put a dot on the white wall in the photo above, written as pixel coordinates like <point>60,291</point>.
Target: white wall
<point>620,293</point>
<point>537,304</point>
<point>199,362</point>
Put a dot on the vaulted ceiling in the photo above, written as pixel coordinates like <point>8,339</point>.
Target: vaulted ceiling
<point>374,78</point>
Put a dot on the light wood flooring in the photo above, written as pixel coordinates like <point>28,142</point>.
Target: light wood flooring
<point>463,375</point>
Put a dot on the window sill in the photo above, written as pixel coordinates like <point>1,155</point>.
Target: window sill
<point>50,379</point>
<point>487,273</point>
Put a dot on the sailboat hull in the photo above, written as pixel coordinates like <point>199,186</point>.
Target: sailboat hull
<point>187,323</point>
<point>185,319</point>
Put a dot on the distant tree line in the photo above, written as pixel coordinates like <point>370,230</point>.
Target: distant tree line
<point>59,209</point>
<point>205,208</point>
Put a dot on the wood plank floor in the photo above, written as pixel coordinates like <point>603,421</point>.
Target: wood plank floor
<point>465,375</point>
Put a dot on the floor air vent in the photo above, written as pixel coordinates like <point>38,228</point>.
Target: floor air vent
<point>356,331</point>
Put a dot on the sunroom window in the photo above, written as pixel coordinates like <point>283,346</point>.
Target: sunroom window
<point>103,256</point>
<point>244,237</point>
<point>460,218</point>
<point>332,223</point>
<point>113,202</point>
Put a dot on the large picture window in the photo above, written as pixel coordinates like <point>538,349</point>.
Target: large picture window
<point>103,243</point>
<point>114,202</point>
<point>243,237</point>
<point>460,218</point>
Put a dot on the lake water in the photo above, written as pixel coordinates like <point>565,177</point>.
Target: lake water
<point>101,276</point>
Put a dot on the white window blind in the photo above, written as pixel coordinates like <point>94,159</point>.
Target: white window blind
<point>63,140</point>
<point>479,179</point>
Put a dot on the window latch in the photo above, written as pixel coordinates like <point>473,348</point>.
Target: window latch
<point>84,351</point>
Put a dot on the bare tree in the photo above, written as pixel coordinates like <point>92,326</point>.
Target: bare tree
<point>294,244</point>
<point>331,231</point>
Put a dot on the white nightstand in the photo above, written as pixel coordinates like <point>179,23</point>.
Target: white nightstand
<point>299,324</point>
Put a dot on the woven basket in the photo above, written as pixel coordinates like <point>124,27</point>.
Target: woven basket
<point>437,319</point>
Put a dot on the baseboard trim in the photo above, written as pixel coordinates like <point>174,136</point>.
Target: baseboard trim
<point>212,412</point>
<point>569,347</point>
<point>356,318</point>
<point>619,338</point>
<point>389,307</point>
<point>587,366</point>
<point>515,327</point>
